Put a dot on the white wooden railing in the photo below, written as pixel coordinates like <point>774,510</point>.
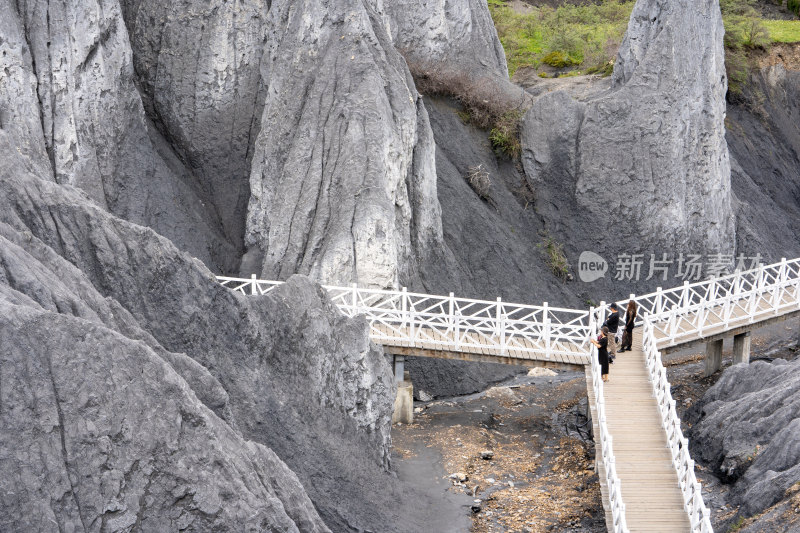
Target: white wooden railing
<point>691,311</point>
<point>699,516</point>
<point>450,323</point>
<point>609,475</point>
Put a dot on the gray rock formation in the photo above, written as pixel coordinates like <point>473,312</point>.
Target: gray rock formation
<point>458,34</point>
<point>70,65</point>
<point>748,429</point>
<point>285,370</point>
<point>343,185</point>
<point>100,433</point>
<point>645,166</point>
<point>198,68</point>
<point>764,140</point>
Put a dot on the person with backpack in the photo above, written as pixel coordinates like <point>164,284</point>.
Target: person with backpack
<point>630,319</point>
<point>612,323</point>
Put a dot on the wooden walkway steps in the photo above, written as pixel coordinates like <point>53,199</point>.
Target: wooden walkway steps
<point>650,489</point>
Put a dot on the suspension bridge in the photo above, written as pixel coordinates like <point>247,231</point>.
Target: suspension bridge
<point>646,472</point>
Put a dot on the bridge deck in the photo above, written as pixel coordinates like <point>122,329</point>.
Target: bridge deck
<point>480,348</point>
<point>650,488</point>
<point>685,331</point>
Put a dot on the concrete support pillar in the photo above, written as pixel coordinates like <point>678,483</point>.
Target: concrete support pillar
<point>399,373</point>
<point>713,357</point>
<point>404,403</point>
<point>404,400</point>
<point>741,348</point>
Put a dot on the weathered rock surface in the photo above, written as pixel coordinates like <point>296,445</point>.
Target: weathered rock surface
<point>70,65</point>
<point>458,34</point>
<point>343,183</point>
<point>100,433</point>
<point>644,167</point>
<point>763,135</point>
<point>748,429</point>
<point>198,68</point>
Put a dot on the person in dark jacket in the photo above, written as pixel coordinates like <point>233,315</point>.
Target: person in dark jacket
<point>612,323</point>
<point>630,319</point>
<point>602,351</point>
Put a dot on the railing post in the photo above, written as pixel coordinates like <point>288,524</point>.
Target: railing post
<point>497,316</point>
<point>657,304</point>
<point>685,296</point>
<point>404,308</point>
<point>254,286</point>
<point>451,313</point>
<point>502,326</point>
<point>546,320</point>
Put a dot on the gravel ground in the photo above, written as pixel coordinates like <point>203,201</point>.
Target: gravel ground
<point>540,475</point>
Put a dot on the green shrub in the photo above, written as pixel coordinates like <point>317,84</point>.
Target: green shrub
<point>559,59</point>
<point>556,258</point>
<point>794,6</point>
<point>504,136</point>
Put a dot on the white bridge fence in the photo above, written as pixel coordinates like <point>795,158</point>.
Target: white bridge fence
<point>693,504</point>
<point>669,317</point>
<point>454,324</point>
<point>609,475</point>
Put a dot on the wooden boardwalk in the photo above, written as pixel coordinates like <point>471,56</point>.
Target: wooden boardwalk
<point>650,489</point>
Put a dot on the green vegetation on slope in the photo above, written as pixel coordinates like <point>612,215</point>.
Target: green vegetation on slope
<point>783,31</point>
<point>584,39</point>
<point>587,35</point>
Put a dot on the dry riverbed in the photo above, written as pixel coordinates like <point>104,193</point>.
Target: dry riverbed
<point>513,453</point>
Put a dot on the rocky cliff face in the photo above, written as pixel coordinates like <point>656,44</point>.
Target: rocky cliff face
<point>748,428</point>
<point>343,184</point>
<point>156,398</point>
<point>154,393</point>
<point>70,91</point>
<point>460,35</point>
<point>763,135</point>
<point>645,166</point>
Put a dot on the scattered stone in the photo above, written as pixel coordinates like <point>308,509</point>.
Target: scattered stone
<point>424,396</point>
<point>487,454</point>
<point>540,372</point>
<point>460,477</point>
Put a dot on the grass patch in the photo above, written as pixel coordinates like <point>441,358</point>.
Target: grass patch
<point>783,31</point>
<point>585,39</point>
<point>568,36</point>
<point>504,136</point>
<point>556,258</point>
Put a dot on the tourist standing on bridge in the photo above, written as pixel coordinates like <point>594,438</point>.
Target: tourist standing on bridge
<point>630,318</point>
<point>612,323</point>
<point>602,351</point>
